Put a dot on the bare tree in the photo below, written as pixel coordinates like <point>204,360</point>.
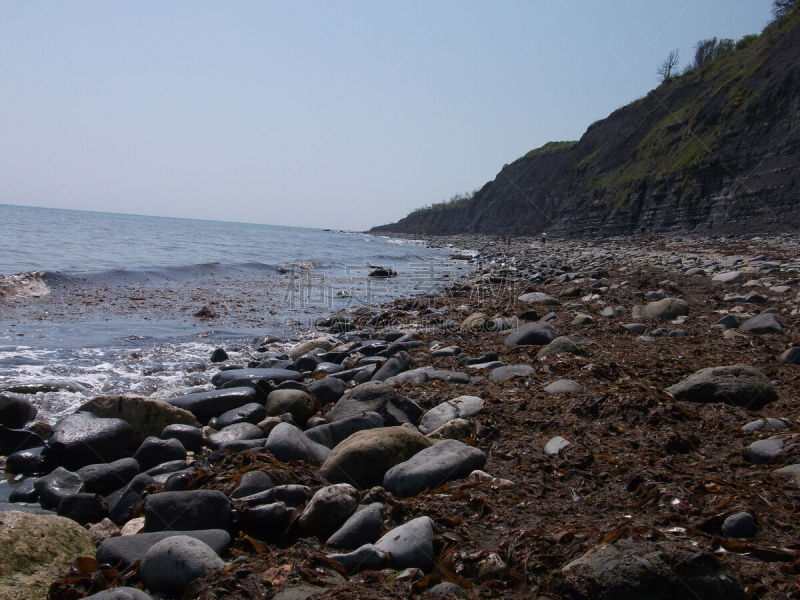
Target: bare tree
<point>668,66</point>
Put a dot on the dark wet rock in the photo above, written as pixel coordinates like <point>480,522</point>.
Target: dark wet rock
<point>26,462</point>
<point>104,478</point>
<point>331,434</point>
<point>287,442</point>
<point>363,527</point>
<point>121,502</point>
<point>205,405</point>
<point>532,334</point>
<point>365,371</point>
<point>126,550</point>
<point>82,439</point>
<point>146,416</point>
<point>790,356</point>
<point>564,386</point>
<point>254,376</point>
<point>776,448</point>
<point>320,344</point>
<point>218,355</point>
<point>253,482</point>
<point>610,312</point>
<point>636,328</point>
<point>170,565</point>
<point>172,466</point>
<point>582,319</point>
<point>24,491</point>
<point>447,351</point>
<point>366,557</point>
<point>190,436</point>
<point>767,424</point>
<point>266,522</point>
<point>555,445</point>
<point>327,368</point>
<point>190,510</point>
<point>455,429</point>
<point>791,472</point>
<point>729,321</point>
<point>297,402</point>
<point>83,508</point>
<point>409,545</point>
<point>14,440</point>
<point>120,593</point>
<point>461,407</point>
<point>484,358</point>
<point>662,310</point>
<point>676,333</point>
<point>560,345</point>
<point>414,377</point>
<point>155,451</point>
<point>233,433</point>
<point>765,323</point>
<point>507,372</point>
<point>54,486</point>
<point>626,570</point>
<point>375,396</point>
<point>446,588</point>
<point>291,495</point>
<point>15,410</point>
<point>433,467</point>
<point>739,385</point>
<point>740,525</point>
<point>394,366</point>
<point>364,457</point>
<point>249,413</point>
<point>328,509</point>
<point>306,362</point>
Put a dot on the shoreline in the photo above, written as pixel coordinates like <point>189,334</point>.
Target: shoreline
<point>645,471</point>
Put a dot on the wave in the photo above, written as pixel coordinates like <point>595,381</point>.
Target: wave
<point>23,285</point>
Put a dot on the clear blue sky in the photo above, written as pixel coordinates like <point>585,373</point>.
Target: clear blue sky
<point>341,114</point>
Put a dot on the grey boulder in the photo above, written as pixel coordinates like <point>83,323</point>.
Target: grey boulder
<point>187,510</point>
<point>409,545</point>
<point>363,527</point>
<point>432,467</point>
<point>331,434</point>
<point>532,334</point>
<point>328,509</point>
<point>765,323</point>
<point>127,549</point>
<point>738,385</point>
<point>461,407</point>
<point>82,439</point>
<point>171,564</point>
<point>287,442</point>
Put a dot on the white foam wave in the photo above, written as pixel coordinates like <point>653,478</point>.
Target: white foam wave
<point>23,285</point>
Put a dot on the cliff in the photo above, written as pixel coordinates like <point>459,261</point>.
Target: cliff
<point>715,150</point>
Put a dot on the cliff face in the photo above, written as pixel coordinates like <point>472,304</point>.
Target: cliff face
<point>716,150</point>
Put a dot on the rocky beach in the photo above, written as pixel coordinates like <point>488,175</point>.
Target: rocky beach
<point>574,419</point>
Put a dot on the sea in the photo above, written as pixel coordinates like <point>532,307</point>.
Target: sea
<point>100,303</point>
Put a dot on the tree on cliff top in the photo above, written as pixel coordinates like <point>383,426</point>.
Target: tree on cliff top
<point>781,7</point>
<point>668,66</point>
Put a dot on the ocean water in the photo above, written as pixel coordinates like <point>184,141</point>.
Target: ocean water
<point>99,303</point>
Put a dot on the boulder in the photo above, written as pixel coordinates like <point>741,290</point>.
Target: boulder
<point>253,482</point>
<point>331,434</point>
<point>729,277</point>
<point>409,545</point>
<point>190,436</point>
<point>104,478</point>
<point>504,373</point>
<point>121,502</point>
<point>255,377</point>
<point>15,410</point>
<point>739,385</point>
<point>327,390</point>
<point>57,484</point>
<point>297,402</point>
<point>765,323</point>
<point>319,344</point>
<point>120,593</point>
<point>433,467</point>
<point>665,309</point>
<point>82,439</point>
<point>15,440</point>
<point>740,525</point>
<point>267,522</point>
<point>83,508</point>
<point>394,366</point>
<point>782,447</point>
<point>539,298</point>
<point>35,550</point>
<point>205,405</point>
<point>26,462</point>
<point>363,527</point>
<point>461,407</point>
<point>287,442</point>
<point>155,451</point>
<point>378,397</point>
<point>532,334</point>
<point>189,510</point>
<point>790,356</point>
<point>627,570</point>
<point>328,509</point>
<point>564,386</point>
<point>174,562</point>
<point>234,433</point>
<point>249,413</point>
<point>363,459</point>
<point>560,345</point>
<point>146,416</point>
<point>127,549</point>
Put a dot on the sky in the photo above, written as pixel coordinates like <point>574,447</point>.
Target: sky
<point>340,114</point>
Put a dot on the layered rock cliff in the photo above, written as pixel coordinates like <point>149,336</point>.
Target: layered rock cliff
<point>715,150</point>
